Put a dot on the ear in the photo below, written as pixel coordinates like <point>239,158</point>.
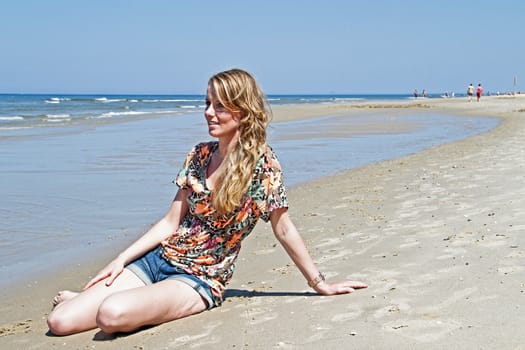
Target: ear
<point>237,116</point>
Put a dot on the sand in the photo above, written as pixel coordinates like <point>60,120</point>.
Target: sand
<point>439,235</point>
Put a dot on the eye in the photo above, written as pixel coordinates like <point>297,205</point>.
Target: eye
<point>208,103</point>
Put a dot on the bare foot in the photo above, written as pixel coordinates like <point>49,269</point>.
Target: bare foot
<point>63,295</point>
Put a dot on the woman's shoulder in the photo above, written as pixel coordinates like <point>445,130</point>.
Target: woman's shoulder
<point>268,150</point>
<point>200,152</point>
<point>269,158</point>
<point>206,147</point>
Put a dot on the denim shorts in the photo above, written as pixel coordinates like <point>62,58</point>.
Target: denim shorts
<point>152,267</point>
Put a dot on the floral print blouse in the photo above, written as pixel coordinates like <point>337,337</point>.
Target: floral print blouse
<point>206,244</point>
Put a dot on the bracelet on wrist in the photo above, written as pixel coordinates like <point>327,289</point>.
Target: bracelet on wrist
<point>316,280</point>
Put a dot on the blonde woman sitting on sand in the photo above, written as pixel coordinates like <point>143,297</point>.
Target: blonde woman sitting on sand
<point>182,265</point>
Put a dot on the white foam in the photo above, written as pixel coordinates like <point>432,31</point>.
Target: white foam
<point>15,127</point>
<point>56,99</point>
<point>165,112</point>
<point>171,100</point>
<point>116,114</point>
<point>58,120</point>
<point>58,116</point>
<point>108,100</point>
<point>180,100</point>
<point>11,119</point>
<point>350,99</point>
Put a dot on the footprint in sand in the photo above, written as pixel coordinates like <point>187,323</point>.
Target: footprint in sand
<point>264,251</point>
<point>410,244</point>
<point>318,334</point>
<point>335,257</point>
<point>259,315</point>
<point>367,238</point>
<point>329,242</point>
<point>206,337</point>
<point>451,253</point>
<point>422,330</point>
<point>16,328</point>
<point>395,307</point>
<point>496,243</point>
<point>450,301</point>
<point>347,316</point>
<point>510,269</point>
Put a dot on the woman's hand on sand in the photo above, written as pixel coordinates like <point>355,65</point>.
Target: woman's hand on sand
<point>110,272</point>
<point>341,287</point>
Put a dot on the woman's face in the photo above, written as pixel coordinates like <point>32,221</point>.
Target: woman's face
<point>222,123</point>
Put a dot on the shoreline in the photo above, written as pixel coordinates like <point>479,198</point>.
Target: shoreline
<point>444,209</point>
<point>52,178</point>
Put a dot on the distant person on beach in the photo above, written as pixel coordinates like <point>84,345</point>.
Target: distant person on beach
<point>182,264</point>
<point>479,92</point>
<point>470,92</point>
<point>415,93</point>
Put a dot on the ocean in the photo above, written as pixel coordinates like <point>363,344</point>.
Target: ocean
<point>81,174</point>
<point>29,111</point>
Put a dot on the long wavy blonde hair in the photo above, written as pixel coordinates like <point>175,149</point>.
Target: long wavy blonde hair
<point>238,91</point>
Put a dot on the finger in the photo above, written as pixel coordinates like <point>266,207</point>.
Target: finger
<point>89,284</point>
<point>350,286</point>
<point>350,290</point>
<point>109,280</point>
<point>112,277</point>
<point>358,285</point>
<point>93,281</point>
<point>338,288</point>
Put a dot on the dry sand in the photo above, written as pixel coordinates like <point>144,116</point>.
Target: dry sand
<point>439,235</point>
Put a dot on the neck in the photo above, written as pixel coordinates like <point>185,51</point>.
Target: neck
<point>225,146</point>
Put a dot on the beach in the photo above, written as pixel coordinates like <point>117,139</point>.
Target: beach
<point>93,184</point>
<point>438,235</point>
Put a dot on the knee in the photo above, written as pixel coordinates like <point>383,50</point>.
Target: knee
<point>110,317</point>
<point>59,324</point>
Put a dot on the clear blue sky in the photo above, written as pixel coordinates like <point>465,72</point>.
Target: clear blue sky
<point>329,46</point>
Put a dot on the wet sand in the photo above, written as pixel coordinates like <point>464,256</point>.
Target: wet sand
<point>439,235</point>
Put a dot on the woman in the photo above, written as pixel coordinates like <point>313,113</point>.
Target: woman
<point>182,264</point>
<point>479,91</point>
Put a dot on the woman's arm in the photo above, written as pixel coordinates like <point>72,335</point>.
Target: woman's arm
<point>152,238</point>
<point>286,233</point>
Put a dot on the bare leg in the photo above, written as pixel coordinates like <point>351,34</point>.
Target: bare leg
<point>124,306</point>
<point>78,312</point>
<point>153,304</point>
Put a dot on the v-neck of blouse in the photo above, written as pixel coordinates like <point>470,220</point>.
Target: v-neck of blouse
<point>204,171</point>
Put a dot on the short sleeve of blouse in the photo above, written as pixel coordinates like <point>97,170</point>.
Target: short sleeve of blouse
<point>271,179</point>
<point>182,176</point>
<point>190,167</point>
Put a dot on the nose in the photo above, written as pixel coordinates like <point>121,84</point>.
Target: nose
<point>209,111</point>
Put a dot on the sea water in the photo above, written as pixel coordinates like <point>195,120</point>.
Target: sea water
<point>29,111</point>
